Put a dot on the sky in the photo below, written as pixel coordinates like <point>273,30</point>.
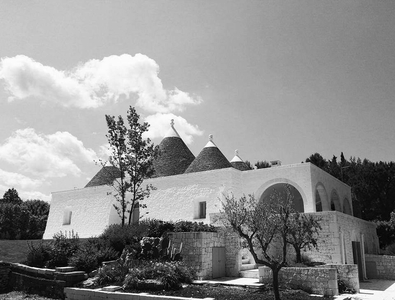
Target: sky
<point>277,80</point>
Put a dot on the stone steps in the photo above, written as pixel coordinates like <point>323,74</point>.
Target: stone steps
<point>251,273</point>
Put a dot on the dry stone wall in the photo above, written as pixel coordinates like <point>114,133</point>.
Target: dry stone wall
<point>197,250</point>
<point>380,267</point>
<point>321,281</point>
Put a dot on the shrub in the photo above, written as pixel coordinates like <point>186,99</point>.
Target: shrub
<point>157,228</point>
<point>38,256</point>
<point>188,226</point>
<point>344,288</point>
<point>167,275</point>
<point>91,254</point>
<point>118,237</point>
<point>63,247</point>
<point>390,250</point>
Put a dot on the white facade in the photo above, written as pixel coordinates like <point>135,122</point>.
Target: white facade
<point>88,211</point>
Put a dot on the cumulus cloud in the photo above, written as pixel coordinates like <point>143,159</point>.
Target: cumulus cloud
<point>12,179</point>
<point>160,124</point>
<point>94,83</point>
<point>52,155</point>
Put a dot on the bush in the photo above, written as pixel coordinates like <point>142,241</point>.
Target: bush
<point>91,254</point>
<point>118,237</point>
<point>63,247</point>
<point>188,226</point>
<point>390,250</point>
<point>38,255</point>
<point>166,275</point>
<point>157,228</point>
<point>55,253</point>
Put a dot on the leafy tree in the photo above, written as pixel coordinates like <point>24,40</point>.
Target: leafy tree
<point>262,164</point>
<point>268,223</point>
<point>11,196</point>
<point>304,233</point>
<point>133,156</point>
<point>318,160</point>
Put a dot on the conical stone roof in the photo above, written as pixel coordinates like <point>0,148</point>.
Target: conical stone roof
<point>238,163</point>
<point>106,175</point>
<point>210,158</point>
<point>175,156</point>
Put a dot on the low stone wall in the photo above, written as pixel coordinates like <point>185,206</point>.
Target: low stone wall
<point>85,294</point>
<point>380,266</point>
<point>197,250</point>
<point>346,273</point>
<point>321,281</point>
<point>47,282</point>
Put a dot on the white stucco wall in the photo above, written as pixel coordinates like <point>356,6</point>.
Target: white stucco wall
<point>91,211</point>
<point>177,197</point>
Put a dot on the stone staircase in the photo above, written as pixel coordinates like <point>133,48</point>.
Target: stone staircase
<point>248,269</point>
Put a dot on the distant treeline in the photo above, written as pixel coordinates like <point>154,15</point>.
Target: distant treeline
<point>22,219</point>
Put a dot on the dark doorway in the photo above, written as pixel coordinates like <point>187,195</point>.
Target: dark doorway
<point>357,254</point>
<point>218,262</point>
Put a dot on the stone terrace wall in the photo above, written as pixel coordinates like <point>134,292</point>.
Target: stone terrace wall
<point>197,250</point>
<point>338,231</point>
<point>321,281</point>
<point>346,273</point>
<point>85,294</point>
<point>380,266</point>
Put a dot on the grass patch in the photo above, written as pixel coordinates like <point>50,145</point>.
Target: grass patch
<point>15,250</point>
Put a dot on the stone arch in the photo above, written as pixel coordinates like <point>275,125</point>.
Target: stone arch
<point>298,203</point>
<point>321,198</point>
<point>347,207</point>
<point>335,201</point>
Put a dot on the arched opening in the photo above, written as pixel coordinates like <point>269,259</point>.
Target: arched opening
<point>281,188</point>
<point>321,198</point>
<point>335,202</point>
<point>347,207</point>
<point>318,202</point>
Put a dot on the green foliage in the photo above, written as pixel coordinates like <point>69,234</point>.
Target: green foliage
<point>38,255</point>
<point>91,254</point>
<point>157,228</point>
<point>11,196</point>
<point>168,275</point>
<point>188,226</point>
<point>118,236</point>
<point>303,233</point>
<point>262,164</point>
<point>24,220</point>
<point>345,288</point>
<point>63,247</point>
<point>133,156</point>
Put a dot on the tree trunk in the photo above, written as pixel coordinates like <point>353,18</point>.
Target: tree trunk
<point>298,255</point>
<point>276,291</point>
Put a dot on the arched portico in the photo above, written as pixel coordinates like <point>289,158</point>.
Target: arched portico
<point>335,201</point>
<point>321,198</point>
<point>280,185</point>
<point>347,207</point>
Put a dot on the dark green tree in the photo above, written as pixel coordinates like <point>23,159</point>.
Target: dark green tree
<point>262,164</point>
<point>11,196</point>
<point>132,155</point>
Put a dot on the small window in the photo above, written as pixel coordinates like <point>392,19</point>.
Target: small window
<point>67,217</point>
<point>202,210</point>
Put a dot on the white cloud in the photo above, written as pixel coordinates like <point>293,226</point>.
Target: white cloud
<point>31,195</point>
<point>160,124</point>
<point>94,83</point>
<point>52,155</point>
<point>26,186</point>
<point>11,179</point>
